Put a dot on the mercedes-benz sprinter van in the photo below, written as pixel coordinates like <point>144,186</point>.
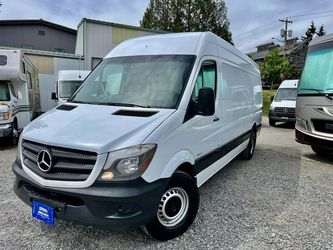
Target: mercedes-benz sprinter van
<point>153,122</point>
<point>283,104</point>
<point>314,112</point>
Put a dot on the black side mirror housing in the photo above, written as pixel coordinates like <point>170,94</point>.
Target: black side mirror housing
<point>54,96</point>
<point>206,102</point>
<point>272,98</point>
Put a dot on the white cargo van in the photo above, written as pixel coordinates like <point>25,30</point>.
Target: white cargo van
<point>153,122</point>
<point>283,104</point>
<point>19,93</point>
<point>68,81</point>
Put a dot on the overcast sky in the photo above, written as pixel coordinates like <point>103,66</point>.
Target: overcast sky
<point>252,22</point>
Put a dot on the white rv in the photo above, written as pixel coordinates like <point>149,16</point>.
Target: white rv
<point>19,93</point>
<point>68,81</point>
<point>152,123</point>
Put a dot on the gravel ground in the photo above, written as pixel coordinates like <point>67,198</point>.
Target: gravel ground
<point>282,198</point>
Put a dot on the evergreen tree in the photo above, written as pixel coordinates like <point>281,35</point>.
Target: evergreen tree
<point>310,32</point>
<point>321,31</point>
<point>188,15</point>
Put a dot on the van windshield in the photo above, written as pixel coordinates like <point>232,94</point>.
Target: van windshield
<point>67,88</point>
<point>289,94</point>
<point>4,92</point>
<point>318,72</point>
<point>149,81</point>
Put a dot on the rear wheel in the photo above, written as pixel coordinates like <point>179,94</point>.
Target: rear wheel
<point>247,154</point>
<point>321,151</point>
<point>177,209</point>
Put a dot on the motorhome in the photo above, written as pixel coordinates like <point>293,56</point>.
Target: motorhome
<point>152,123</point>
<point>314,111</point>
<point>283,106</point>
<point>19,93</point>
<point>68,81</point>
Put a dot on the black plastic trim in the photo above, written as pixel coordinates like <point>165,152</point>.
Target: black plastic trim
<point>137,113</point>
<point>205,161</point>
<point>66,107</point>
<point>118,206</point>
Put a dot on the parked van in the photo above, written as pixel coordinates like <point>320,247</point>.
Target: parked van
<point>283,104</point>
<point>314,112</point>
<point>152,123</point>
<point>19,93</point>
<point>68,81</point>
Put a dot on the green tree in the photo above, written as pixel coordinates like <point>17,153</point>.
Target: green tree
<point>310,32</point>
<point>274,66</point>
<point>321,31</point>
<point>188,15</point>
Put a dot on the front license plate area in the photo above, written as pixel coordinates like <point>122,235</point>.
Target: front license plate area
<point>43,212</point>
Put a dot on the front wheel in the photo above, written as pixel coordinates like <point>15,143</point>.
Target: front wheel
<point>321,151</point>
<point>272,123</point>
<point>177,209</point>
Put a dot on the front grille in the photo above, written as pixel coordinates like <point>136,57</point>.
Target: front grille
<point>285,112</point>
<point>67,164</point>
<point>323,126</point>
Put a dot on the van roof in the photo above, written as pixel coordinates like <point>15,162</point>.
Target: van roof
<point>289,84</point>
<point>72,75</point>
<point>186,43</point>
<point>322,39</point>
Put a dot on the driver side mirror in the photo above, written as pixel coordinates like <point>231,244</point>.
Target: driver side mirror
<point>54,96</point>
<point>206,102</point>
<point>272,98</point>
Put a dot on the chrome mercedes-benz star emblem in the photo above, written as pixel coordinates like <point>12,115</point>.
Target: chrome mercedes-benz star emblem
<point>285,110</point>
<point>44,160</point>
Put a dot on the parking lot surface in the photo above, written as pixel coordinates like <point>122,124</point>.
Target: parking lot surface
<point>282,198</point>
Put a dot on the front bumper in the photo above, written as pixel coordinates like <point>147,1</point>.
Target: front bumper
<point>6,129</point>
<point>273,117</point>
<point>119,206</point>
<point>307,139</point>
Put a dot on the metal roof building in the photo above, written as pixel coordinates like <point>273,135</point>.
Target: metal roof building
<point>96,38</point>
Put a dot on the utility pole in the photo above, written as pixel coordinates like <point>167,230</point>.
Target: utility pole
<point>285,33</point>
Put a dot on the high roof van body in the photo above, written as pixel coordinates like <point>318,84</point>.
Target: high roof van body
<point>152,123</point>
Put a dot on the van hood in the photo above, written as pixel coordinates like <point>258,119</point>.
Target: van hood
<point>283,104</point>
<point>94,128</point>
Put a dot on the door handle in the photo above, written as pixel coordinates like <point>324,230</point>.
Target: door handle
<point>216,119</point>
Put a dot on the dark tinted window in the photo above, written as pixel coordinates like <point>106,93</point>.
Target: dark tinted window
<point>3,60</point>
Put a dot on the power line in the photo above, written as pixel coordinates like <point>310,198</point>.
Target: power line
<point>312,14</point>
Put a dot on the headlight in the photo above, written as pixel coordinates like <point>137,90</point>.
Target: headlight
<point>302,124</point>
<point>6,115</point>
<point>127,164</point>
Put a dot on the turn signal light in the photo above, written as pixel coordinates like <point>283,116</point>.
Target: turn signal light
<point>6,115</point>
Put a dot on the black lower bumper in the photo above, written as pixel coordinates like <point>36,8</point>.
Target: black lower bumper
<point>5,132</point>
<point>313,141</point>
<point>118,206</point>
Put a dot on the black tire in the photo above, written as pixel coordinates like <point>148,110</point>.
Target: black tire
<point>248,153</point>
<point>170,203</point>
<point>321,151</point>
<point>272,123</point>
<point>13,138</point>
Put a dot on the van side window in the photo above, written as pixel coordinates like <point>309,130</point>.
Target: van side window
<point>206,78</point>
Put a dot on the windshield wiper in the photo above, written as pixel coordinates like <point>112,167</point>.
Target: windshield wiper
<point>125,104</point>
<point>320,92</point>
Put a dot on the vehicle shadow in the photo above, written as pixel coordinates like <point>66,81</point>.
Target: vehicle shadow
<point>323,159</point>
<point>285,125</point>
<point>5,145</point>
